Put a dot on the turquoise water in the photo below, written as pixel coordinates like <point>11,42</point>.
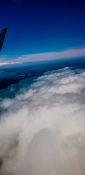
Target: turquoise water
<point>13,79</point>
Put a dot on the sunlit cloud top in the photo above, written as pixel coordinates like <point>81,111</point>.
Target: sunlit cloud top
<point>66,54</point>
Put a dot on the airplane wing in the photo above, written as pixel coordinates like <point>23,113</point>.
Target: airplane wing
<point>2,37</point>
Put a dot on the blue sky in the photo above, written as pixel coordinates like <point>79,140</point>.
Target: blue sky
<point>42,26</point>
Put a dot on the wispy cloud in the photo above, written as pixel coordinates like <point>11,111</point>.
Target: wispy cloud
<point>71,53</point>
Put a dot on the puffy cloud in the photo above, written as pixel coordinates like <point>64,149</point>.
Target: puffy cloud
<point>43,130</point>
<point>71,53</point>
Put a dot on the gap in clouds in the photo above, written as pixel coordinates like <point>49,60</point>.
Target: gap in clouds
<point>14,78</point>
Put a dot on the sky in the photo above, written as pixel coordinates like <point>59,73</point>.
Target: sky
<point>42,26</point>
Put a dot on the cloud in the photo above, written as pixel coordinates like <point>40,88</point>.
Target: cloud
<point>43,130</point>
<point>71,53</point>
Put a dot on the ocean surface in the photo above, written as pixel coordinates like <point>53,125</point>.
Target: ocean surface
<point>14,78</point>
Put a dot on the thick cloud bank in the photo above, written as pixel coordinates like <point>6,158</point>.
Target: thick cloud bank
<point>43,130</point>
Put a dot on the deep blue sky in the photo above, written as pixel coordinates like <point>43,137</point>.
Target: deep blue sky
<point>42,26</point>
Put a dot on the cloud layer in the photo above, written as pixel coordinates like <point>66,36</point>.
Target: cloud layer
<point>71,53</point>
<point>43,130</point>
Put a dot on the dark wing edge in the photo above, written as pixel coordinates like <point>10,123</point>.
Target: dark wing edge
<point>2,37</point>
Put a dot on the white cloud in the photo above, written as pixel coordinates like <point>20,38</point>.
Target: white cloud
<point>71,53</point>
<point>43,131</point>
